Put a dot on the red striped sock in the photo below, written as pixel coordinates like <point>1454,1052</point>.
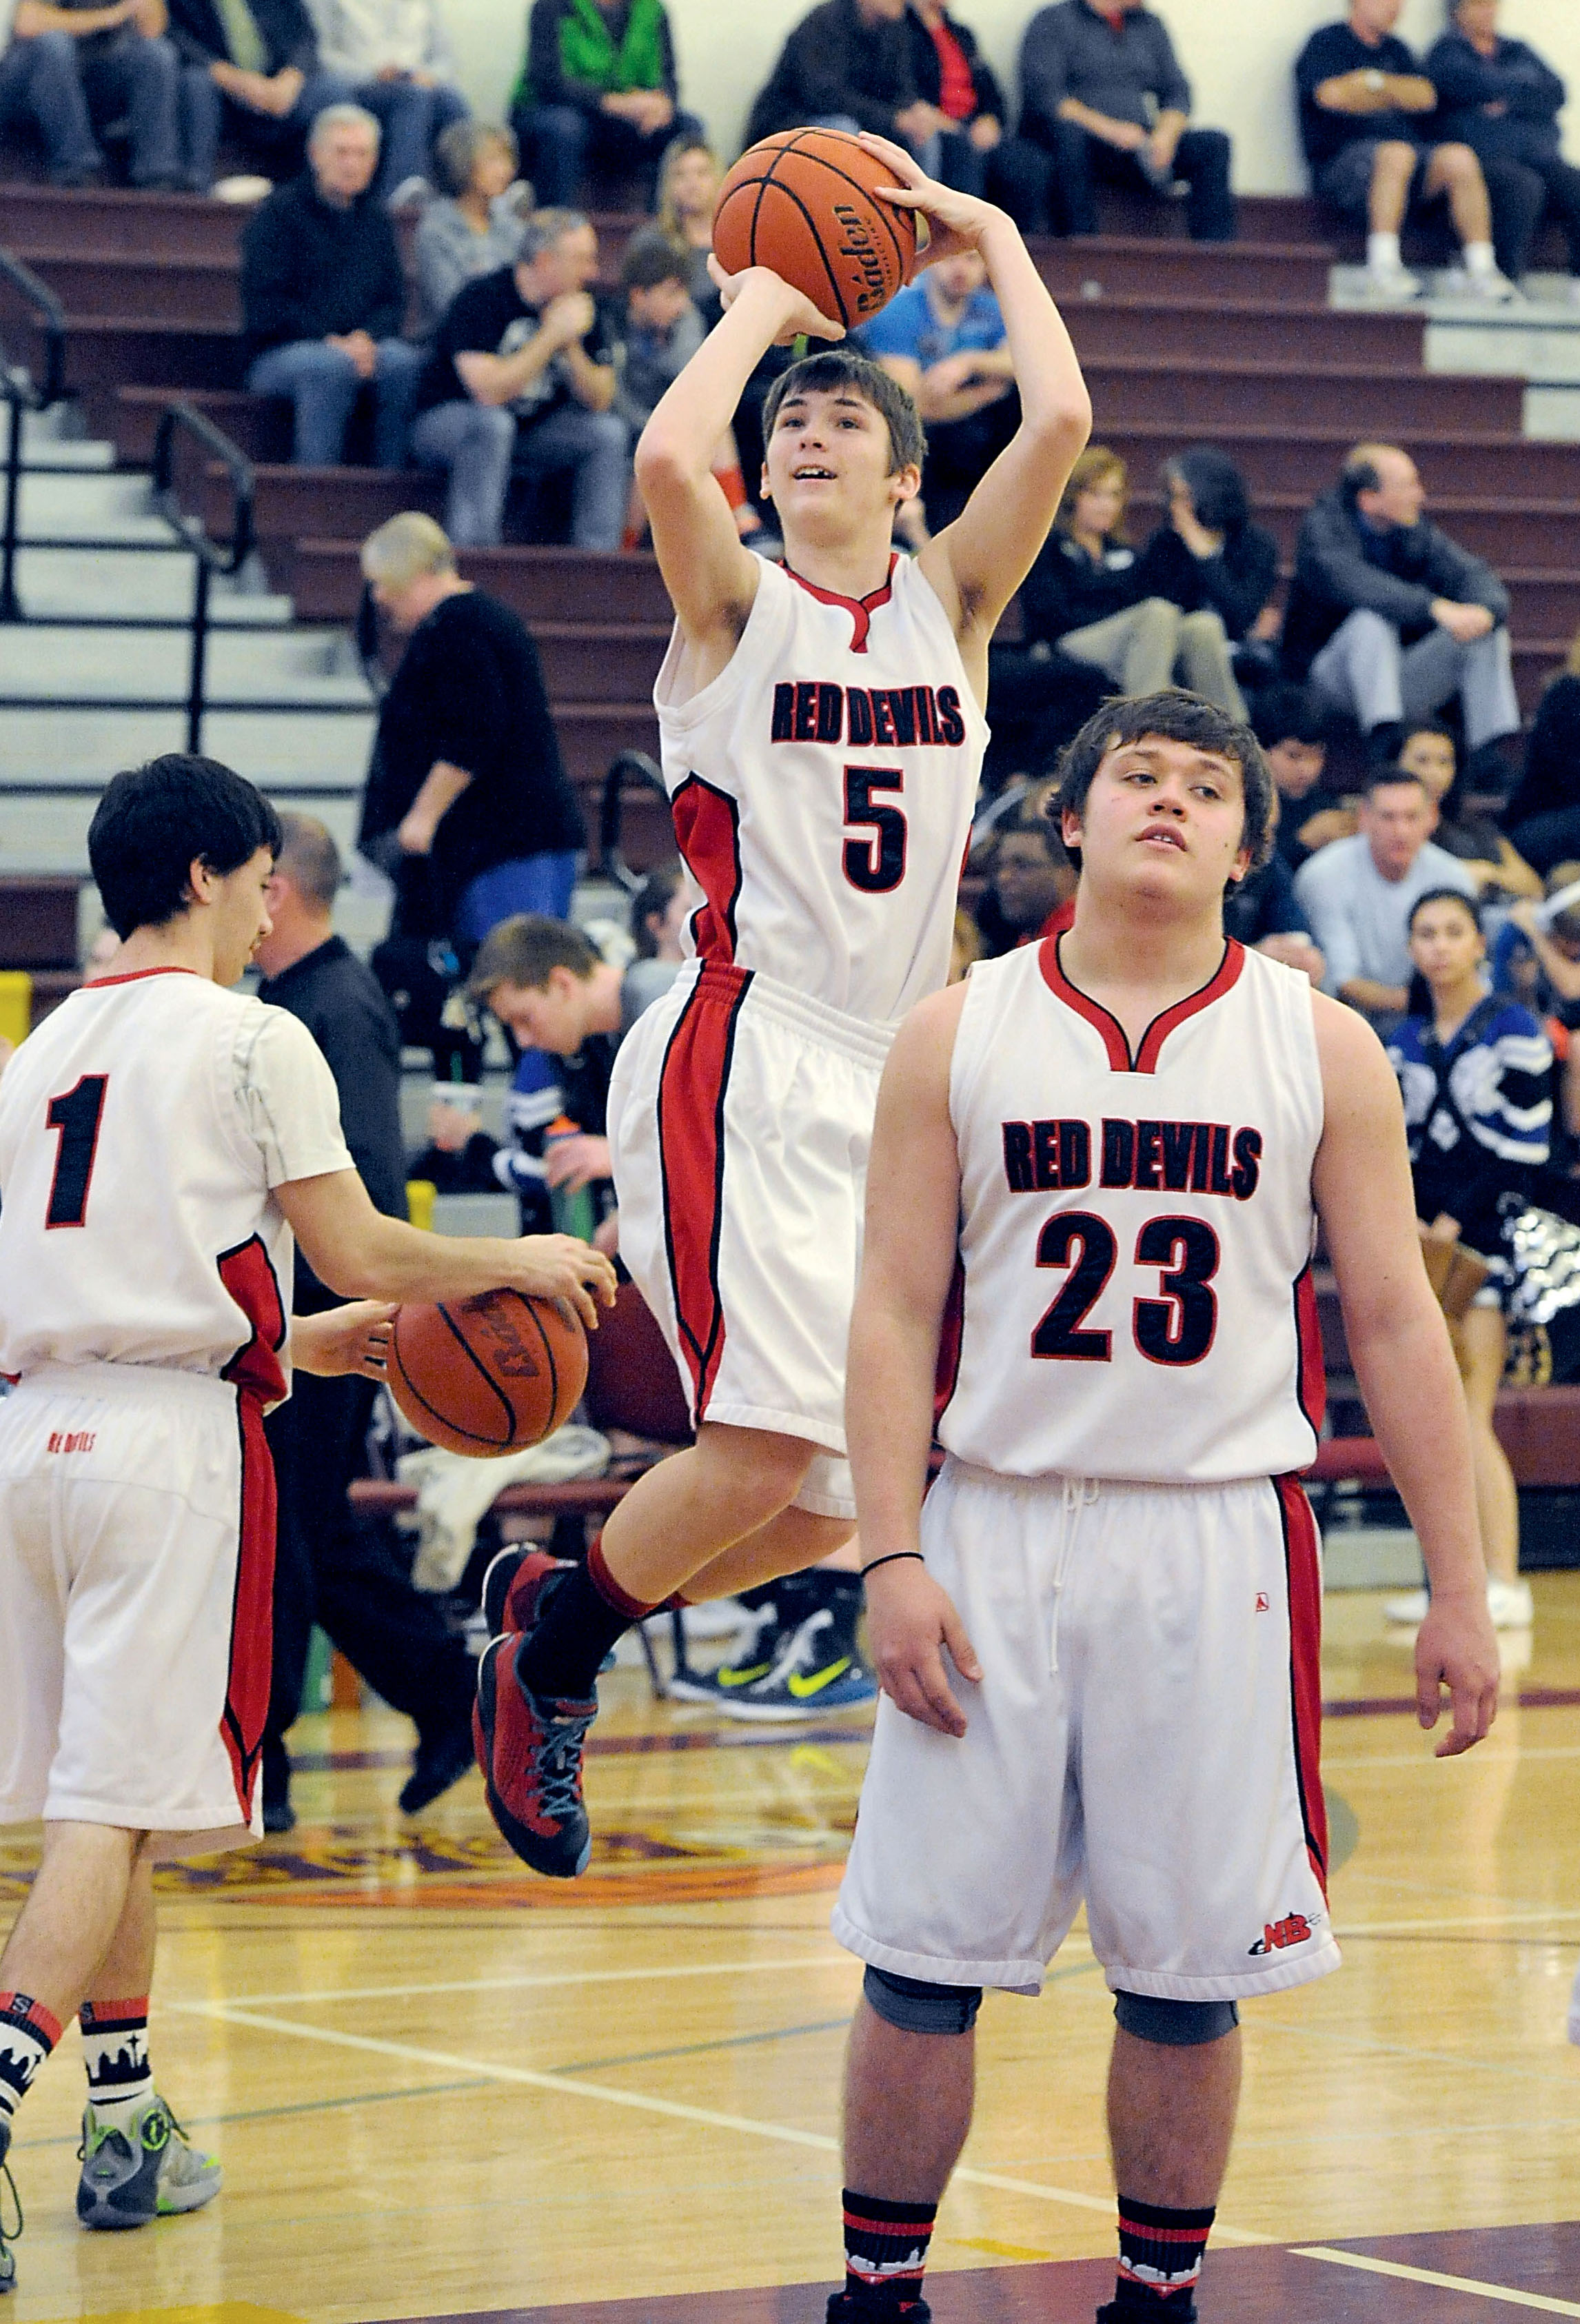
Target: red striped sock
<point>885,2255</point>
<point>115,2051</point>
<point>1159,2260</point>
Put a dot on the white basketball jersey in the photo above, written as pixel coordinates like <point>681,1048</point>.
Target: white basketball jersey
<point>141,1129</point>
<point>823,788</point>
<point>1137,1231</point>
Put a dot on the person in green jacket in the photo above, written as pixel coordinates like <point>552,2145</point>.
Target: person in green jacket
<point>597,91</point>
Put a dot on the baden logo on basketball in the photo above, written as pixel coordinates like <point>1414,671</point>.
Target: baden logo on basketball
<point>858,245</point>
<point>509,1353</point>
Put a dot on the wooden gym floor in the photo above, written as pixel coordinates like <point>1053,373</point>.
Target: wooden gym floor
<point>442,2088</point>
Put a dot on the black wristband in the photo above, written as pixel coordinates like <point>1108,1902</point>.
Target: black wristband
<point>894,1558</point>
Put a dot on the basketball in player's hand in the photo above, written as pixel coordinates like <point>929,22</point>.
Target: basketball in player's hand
<point>802,202</point>
<point>488,1375</point>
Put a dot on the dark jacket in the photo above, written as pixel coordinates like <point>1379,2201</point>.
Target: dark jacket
<point>1335,578</point>
<point>1236,583</point>
<point>1515,78</point>
<point>927,73</point>
<point>543,79</point>
<point>308,270</point>
<point>284,27</point>
<point>342,1006</point>
<point>834,63</point>
<point>1551,781</point>
<point>1068,590</point>
<point>1072,51</point>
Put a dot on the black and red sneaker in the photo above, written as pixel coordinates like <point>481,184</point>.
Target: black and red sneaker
<point>530,1750</point>
<point>844,2309</point>
<point>512,1589</point>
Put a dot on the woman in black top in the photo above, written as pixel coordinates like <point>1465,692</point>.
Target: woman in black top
<point>1209,557</point>
<point>467,805</point>
<point>1544,815</point>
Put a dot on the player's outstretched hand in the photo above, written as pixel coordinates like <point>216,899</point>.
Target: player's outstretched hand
<point>352,1339</point>
<point>955,221</point>
<point>559,1266</point>
<point>800,318</point>
<point>1458,1648</point>
<point>910,1619</point>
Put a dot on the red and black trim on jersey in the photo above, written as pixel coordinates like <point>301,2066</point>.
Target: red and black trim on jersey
<point>1311,1375</point>
<point>860,609</point>
<point>693,1085</point>
<point>1115,1040</point>
<point>259,1377</point>
<point>1303,1574</point>
<point>707,833</point>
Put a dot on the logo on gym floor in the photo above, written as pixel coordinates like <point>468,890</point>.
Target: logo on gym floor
<point>1278,1936</point>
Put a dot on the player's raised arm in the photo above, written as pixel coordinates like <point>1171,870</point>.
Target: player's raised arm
<point>978,562</point>
<point>908,1263</point>
<point>711,579</point>
<point>1404,1363</point>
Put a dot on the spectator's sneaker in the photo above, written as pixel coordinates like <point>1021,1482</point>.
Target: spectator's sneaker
<point>144,2172</point>
<point>530,1752</point>
<point>244,190</point>
<point>1493,288</point>
<point>1394,285</point>
<point>755,1653</point>
<point>1410,1609</point>
<point>814,1672</point>
<point>1510,1605</point>
<point>10,2231</point>
<point>512,1586</point>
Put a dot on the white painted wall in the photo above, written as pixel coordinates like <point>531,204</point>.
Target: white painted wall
<point>1237,52</point>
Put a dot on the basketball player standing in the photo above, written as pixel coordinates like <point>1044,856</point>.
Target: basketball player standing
<point>823,734</point>
<point>161,1139</point>
<point>1115,1146</point>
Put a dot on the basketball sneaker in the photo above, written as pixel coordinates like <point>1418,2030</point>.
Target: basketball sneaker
<point>513,1587</point>
<point>755,1652</point>
<point>815,1671</point>
<point>8,2234</point>
<point>843,2309</point>
<point>146,2172</point>
<point>530,1751</point>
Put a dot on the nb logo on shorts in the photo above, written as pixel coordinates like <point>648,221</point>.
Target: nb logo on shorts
<point>71,1440</point>
<point>1278,1936</point>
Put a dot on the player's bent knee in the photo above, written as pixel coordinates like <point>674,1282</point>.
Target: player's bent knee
<point>1175,2025</point>
<point>916,2006</point>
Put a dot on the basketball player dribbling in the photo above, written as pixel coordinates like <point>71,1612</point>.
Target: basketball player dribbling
<point>823,732</point>
<point>161,1139</point>
<point>1096,1173</point>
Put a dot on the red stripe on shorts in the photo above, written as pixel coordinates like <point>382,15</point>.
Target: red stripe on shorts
<point>1303,1570</point>
<point>692,1088</point>
<point>252,1627</point>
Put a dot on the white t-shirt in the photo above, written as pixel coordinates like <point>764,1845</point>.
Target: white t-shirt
<point>143,1129</point>
<point>1362,920</point>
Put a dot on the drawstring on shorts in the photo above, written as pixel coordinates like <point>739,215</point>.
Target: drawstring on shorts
<point>1079,1493</point>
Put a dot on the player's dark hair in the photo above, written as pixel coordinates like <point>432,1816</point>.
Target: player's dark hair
<point>842,367</point>
<point>651,258</point>
<point>154,822</point>
<point>1173,717</point>
<point>526,949</point>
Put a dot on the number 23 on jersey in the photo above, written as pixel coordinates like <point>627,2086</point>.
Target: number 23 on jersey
<point>1175,1325</point>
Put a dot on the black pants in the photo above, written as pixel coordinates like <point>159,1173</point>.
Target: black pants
<point>959,454</point>
<point>1547,840</point>
<point>1202,160</point>
<point>330,1570</point>
<point>1529,189</point>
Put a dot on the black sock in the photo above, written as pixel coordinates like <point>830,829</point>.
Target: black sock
<point>583,1616</point>
<point>1159,2260</point>
<point>885,2253</point>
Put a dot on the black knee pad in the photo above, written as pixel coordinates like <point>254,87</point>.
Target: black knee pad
<point>917,2007</point>
<point>1177,2025</point>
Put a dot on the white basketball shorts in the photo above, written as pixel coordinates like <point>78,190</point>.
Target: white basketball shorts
<point>741,1120</point>
<point>1144,1737</point>
<point>137,1574</point>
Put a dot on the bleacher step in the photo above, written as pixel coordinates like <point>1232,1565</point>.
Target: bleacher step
<point>40,663</point>
<point>119,584</point>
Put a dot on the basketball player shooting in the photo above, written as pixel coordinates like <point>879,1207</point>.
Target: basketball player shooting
<point>161,1139</point>
<point>823,730</point>
<point>1096,1173</point>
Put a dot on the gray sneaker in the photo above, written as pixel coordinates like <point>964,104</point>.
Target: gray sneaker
<point>8,2234</point>
<point>133,2176</point>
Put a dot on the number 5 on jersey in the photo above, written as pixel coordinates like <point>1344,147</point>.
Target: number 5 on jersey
<point>1177,1327</point>
<point>875,864</point>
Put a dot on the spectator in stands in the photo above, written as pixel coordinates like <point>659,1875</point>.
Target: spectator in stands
<point>1357,894</point>
<point>849,65</point>
<point>475,226</point>
<point>1388,618</point>
<point>655,332</point>
<point>251,67</point>
<point>1501,99</point>
<point>943,338</point>
<point>467,804</point>
<point>1544,815</point>
<point>1264,911</point>
<point>398,58</point>
<point>1475,1071</point>
<point>328,1568</point>
<point>1103,93</point>
<point>954,77</point>
<point>659,910</point>
<point>72,67</point>
<point>521,376</point>
<point>1429,751</point>
<point>323,296</point>
<point>688,183</point>
<point>1364,108</point>
<point>1031,880</point>
<point>599,91</point>
<point>1083,595</point>
<point>1208,557</point>
<point>1293,733</point>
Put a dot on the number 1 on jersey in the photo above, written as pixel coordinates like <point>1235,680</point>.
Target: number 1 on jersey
<point>75,1114</point>
<point>877,864</point>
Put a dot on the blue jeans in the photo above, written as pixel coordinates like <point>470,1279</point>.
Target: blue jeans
<point>323,385</point>
<point>525,883</point>
<point>559,143</point>
<point>40,82</point>
<point>411,119</point>
<point>205,109</point>
<point>479,445</point>
<point>140,78</point>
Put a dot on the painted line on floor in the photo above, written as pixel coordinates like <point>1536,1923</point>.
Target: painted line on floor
<point>519,1984</point>
<point>705,2117</point>
<point>1502,2292</point>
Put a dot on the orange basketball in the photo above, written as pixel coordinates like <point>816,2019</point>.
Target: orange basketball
<point>802,202</point>
<point>488,1375</point>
